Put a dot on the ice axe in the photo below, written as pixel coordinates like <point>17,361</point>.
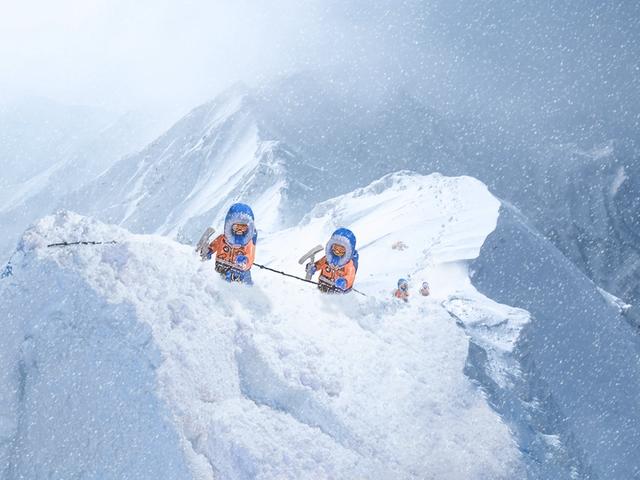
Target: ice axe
<point>202,247</point>
<point>310,256</point>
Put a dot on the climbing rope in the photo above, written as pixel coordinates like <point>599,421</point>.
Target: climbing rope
<point>296,277</point>
<point>66,244</point>
<point>263,267</point>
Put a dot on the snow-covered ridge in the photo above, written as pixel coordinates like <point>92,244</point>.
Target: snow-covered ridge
<point>244,145</point>
<point>578,380</point>
<point>215,155</point>
<point>273,381</point>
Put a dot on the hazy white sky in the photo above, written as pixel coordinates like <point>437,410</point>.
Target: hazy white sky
<point>123,53</point>
<point>505,58</point>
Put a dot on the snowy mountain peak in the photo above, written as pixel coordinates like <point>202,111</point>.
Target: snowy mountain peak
<point>185,180</point>
<point>265,147</point>
<point>279,381</point>
<point>272,381</point>
<point>211,114</point>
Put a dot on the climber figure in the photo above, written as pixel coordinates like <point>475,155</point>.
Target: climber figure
<point>424,290</point>
<point>339,265</point>
<point>402,292</point>
<point>235,249</point>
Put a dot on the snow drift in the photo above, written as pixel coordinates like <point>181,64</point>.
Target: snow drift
<point>134,360</point>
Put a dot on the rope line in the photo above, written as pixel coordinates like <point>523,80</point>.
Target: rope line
<point>284,273</point>
<point>85,242</point>
<point>298,278</point>
<point>263,267</point>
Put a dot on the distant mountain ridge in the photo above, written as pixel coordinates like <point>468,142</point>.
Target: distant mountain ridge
<point>299,140</point>
<point>49,149</point>
<point>246,145</point>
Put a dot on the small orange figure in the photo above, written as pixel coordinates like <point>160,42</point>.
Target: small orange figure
<point>235,250</point>
<point>339,265</point>
<point>402,292</point>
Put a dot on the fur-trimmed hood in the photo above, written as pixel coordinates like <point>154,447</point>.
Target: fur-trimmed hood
<point>239,213</point>
<point>346,238</point>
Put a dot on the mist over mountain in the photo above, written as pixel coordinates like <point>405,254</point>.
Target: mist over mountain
<point>491,149</point>
<point>315,135</point>
<point>48,150</point>
<point>36,133</point>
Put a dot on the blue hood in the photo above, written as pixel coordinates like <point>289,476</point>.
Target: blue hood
<point>346,238</point>
<point>239,213</point>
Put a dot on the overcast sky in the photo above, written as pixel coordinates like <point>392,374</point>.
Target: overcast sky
<point>126,54</point>
<point>510,60</point>
<point>123,53</point>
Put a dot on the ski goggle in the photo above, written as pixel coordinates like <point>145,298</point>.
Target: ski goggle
<point>404,286</point>
<point>240,228</point>
<point>338,250</point>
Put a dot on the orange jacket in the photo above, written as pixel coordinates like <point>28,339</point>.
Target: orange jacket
<point>401,294</point>
<point>330,274</point>
<point>227,255</point>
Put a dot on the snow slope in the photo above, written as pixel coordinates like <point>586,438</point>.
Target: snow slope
<point>586,202</point>
<point>212,157</point>
<point>137,361</point>
<point>578,356</point>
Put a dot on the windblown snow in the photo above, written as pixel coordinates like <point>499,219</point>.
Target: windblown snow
<point>134,360</point>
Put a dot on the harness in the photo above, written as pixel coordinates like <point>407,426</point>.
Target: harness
<point>223,266</point>
<point>225,260</point>
<point>327,278</point>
